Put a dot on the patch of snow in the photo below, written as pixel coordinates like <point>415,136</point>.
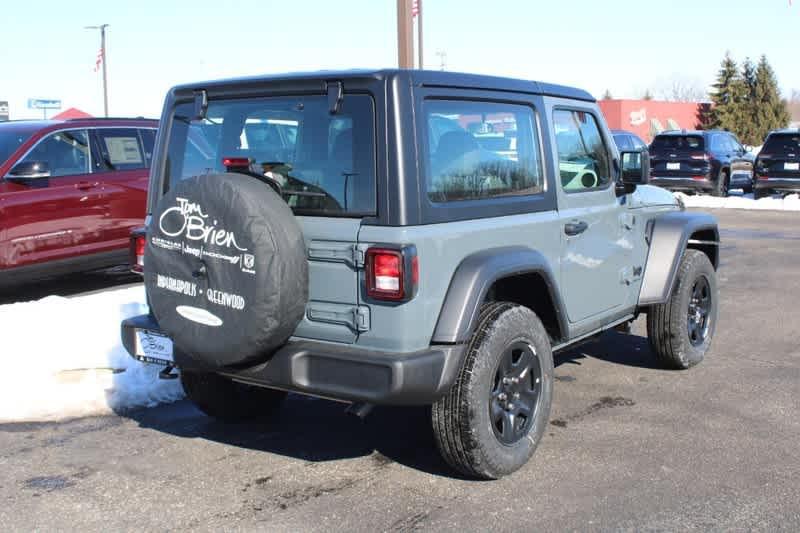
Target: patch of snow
<point>63,358</point>
<point>742,201</point>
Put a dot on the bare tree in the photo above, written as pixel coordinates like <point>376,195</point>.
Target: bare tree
<point>793,104</point>
<point>681,90</point>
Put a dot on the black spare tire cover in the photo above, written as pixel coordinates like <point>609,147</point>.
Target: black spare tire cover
<point>225,269</point>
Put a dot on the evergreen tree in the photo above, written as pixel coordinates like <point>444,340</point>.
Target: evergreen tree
<point>607,95</point>
<point>768,109</point>
<point>647,95</point>
<point>746,128</point>
<point>727,97</point>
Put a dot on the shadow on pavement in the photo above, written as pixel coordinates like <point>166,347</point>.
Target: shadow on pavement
<point>69,285</point>
<point>317,430</point>
<point>613,347</point>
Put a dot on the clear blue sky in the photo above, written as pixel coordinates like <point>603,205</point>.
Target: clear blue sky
<point>625,46</point>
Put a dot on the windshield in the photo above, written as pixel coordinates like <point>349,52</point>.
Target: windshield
<point>782,144</point>
<point>677,143</point>
<point>324,163</point>
<point>11,139</point>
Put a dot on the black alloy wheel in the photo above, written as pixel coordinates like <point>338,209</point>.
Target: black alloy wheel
<point>699,311</point>
<point>515,394</point>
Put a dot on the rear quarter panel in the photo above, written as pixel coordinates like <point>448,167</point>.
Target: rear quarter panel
<point>441,248</point>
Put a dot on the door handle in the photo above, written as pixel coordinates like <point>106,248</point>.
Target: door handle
<point>575,228</point>
<point>85,185</point>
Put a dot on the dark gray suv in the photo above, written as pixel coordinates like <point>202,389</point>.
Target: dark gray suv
<point>701,161</point>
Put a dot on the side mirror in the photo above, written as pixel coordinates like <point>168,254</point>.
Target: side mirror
<point>635,167</point>
<point>29,170</point>
<point>635,171</point>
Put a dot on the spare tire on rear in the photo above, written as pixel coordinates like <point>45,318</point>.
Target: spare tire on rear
<point>225,269</point>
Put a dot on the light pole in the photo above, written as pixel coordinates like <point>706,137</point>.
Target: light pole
<point>102,28</point>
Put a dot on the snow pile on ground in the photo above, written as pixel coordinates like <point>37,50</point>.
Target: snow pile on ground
<point>63,357</point>
<point>743,201</point>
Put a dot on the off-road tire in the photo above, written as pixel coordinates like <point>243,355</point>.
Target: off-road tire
<point>462,420</point>
<point>747,189</point>
<point>668,323</point>
<point>761,193</point>
<point>722,185</point>
<point>228,401</point>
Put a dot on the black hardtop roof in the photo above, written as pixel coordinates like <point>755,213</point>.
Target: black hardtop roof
<point>690,132</point>
<point>424,78</point>
<point>785,131</point>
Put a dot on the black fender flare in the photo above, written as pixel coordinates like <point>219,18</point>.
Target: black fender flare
<point>472,280</point>
<point>669,238</point>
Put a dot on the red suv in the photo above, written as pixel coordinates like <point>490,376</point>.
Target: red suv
<point>70,193</point>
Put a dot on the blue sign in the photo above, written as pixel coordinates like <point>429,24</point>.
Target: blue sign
<point>34,103</point>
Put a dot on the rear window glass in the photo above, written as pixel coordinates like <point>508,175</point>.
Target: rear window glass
<point>480,150</point>
<point>325,164</point>
<point>677,142</point>
<point>782,144</point>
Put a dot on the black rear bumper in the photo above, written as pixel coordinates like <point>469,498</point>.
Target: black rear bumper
<point>681,184</point>
<point>778,184</point>
<point>339,372</point>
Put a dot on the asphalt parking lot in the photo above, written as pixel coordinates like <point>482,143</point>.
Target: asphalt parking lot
<point>630,446</point>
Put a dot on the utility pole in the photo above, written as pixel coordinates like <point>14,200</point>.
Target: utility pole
<point>419,33</point>
<point>405,35</point>
<point>102,28</point>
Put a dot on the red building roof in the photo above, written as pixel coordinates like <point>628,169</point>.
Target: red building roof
<point>72,112</point>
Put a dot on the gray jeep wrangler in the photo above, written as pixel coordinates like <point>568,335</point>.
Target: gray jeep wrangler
<point>407,237</point>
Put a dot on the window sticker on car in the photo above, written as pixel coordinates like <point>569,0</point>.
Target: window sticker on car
<point>123,150</point>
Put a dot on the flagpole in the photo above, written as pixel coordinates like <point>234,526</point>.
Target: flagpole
<point>102,29</point>
<point>105,75</point>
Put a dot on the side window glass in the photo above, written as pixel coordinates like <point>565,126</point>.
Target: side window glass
<point>735,145</point>
<point>66,153</point>
<point>623,142</point>
<point>148,138</point>
<point>583,160</point>
<point>120,148</point>
<point>481,150</point>
<point>718,144</point>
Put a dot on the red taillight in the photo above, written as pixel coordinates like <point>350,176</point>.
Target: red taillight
<point>236,162</point>
<point>138,242</point>
<point>701,156</point>
<point>698,177</point>
<point>392,274</point>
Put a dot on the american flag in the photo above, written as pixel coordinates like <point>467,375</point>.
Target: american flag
<point>414,8</point>
<point>99,60</point>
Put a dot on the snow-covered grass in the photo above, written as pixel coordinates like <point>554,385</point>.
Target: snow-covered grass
<point>62,357</point>
<point>742,201</point>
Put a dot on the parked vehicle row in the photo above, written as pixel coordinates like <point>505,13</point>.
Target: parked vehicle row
<point>714,161</point>
<point>70,194</point>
